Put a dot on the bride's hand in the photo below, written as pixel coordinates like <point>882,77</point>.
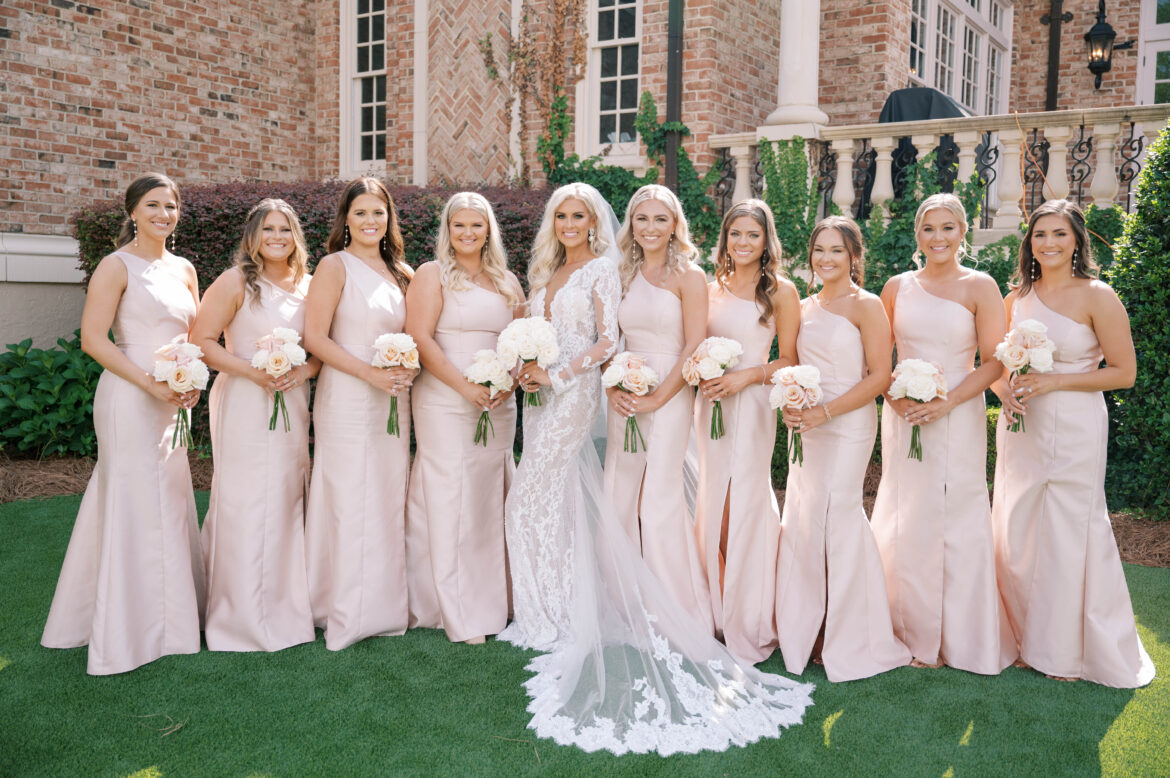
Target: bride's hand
<point>532,377</point>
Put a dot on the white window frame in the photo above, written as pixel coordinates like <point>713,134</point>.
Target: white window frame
<point>587,140</point>
<point>1154,38</point>
<point>969,20</point>
<point>350,164</point>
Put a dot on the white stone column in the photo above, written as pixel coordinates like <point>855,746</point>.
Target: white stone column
<point>797,111</point>
<point>883,180</point>
<point>743,172</point>
<point>1105,185</point>
<point>1011,186</point>
<point>967,143</point>
<point>843,188</point>
<point>1057,175</point>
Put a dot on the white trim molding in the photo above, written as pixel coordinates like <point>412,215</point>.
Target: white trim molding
<point>39,259</point>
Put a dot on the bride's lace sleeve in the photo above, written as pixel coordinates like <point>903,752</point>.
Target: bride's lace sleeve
<point>607,295</point>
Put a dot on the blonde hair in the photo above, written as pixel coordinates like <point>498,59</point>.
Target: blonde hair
<point>547,252</point>
<point>680,252</point>
<point>770,271</point>
<point>248,258</point>
<point>494,260</point>
<point>947,202</point>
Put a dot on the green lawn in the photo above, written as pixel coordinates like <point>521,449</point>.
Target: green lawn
<point>418,705</point>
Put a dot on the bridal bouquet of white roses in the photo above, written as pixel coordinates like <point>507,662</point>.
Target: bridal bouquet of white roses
<point>395,349</point>
<point>921,381</point>
<point>532,339</point>
<point>487,369</point>
<point>630,373</point>
<point>276,354</point>
<point>1026,348</point>
<point>178,364</point>
<point>711,360</point>
<point>796,387</point>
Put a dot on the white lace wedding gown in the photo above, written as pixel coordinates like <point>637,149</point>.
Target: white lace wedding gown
<point>628,669</point>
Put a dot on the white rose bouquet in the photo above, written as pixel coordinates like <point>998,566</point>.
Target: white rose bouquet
<point>532,339</point>
<point>630,373</point>
<point>922,382</point>
<point>395,349</point>
<point>711,360</point>
<point>178,364</point>
<point>276,354</point>
<point>1026,348</point>
<point>796,387</point>
<point>487,369</point>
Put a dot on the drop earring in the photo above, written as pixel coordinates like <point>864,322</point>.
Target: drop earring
<point>383,244</point>
<point>1075,258</point>
<point>134,227</point>
<point>592,234</point>
<point>346,235</point>
<point>1035,270</point>
<point>172,237</point>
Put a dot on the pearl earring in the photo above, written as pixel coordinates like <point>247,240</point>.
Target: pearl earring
<point>346,235</point>
<point>134,227</point>
<point>1035,270</point>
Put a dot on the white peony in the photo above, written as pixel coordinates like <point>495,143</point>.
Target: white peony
<point>806,375</point>
<point>1031,332</point>
<point>1040,360</point>
<point>613,375</point>
<point>709,368</point>
<point>286,335</point>
<point>922,388</point>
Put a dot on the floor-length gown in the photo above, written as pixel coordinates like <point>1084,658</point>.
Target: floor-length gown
<point>355,526</point>
<point>932,519</point>
<point>254,532</point>
<point>456,561</point>
<point>647,487</point>
<point>1059,568</point>
<point>830,573</point>
<point>132,585</point>
<point>736,473</point>
<point>630,670</point>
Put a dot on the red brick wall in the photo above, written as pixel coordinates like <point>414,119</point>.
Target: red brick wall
<point>325,53</point>
<point>865,55</point>
<point>95,94</point>
<point>399,91</point>
<point>1075,84</point>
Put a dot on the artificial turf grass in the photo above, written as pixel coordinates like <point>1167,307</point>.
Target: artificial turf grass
<point>419,705</point>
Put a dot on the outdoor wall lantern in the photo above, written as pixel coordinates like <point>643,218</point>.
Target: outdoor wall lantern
<point>1100,42</point>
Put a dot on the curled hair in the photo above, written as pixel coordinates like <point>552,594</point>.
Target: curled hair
<point>390,247</point>
<point>495,261</point>
<point>134,194</point>
<point>759,212</point>
<point>1083,265</point>
<point>854,244</point>
<point>948,202</point>
<point>248,258</point>
<point>547,252</point>
<point>681,252</point>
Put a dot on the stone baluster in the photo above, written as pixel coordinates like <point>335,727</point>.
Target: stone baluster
<point>1011,186</point>
<point>1057,175</point>
<point>743,172</point>
<point>883,181</point>
<point>967,142</point>
<point>843,188</point>
<point>1105,185</point>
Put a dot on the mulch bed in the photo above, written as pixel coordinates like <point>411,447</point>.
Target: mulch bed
<point>1141,541</point>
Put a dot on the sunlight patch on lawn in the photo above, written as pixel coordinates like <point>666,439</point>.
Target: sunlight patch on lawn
<point>827,726</point>
<point>965,740</point>
<point>1139,739</point>
<point>148,772</point>
<point>4,662</point>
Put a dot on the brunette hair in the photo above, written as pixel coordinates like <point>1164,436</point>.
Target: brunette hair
<point>390,247</point>
<point>1083,265</point>
<point>854,244</point>
<point>248,258</point>
<point>134,194</point>
<point>759,212</point>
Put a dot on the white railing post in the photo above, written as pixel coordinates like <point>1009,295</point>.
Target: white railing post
<point>883,180</point>
<point>1105,185</point>
<point>843,187</point>
<point>1057,176</point>
<point>743,172</point>
<point>1011,186</point>
<point>967,142</point>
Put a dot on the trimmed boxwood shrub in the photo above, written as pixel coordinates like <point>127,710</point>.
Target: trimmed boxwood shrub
<point>1139,451</point>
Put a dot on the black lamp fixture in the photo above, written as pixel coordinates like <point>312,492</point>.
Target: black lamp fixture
<point>1100,39</point>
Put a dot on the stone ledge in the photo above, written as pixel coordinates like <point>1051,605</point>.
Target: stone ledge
<point>43,259</point>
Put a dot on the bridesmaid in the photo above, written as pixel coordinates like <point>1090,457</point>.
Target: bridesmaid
<point>355,526</point>
<point>131,586</point>
<point>663,317</point>
<point>1061,575</point>
<point>737,518</point>
<point>254,533</point>
<point>932,519</point>
<point>458,304</point>
<point>830,575</point>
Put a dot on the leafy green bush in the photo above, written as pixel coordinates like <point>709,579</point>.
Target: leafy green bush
<point>1105,227</point>
<point>46,399</point>
<point>1139,451</point>
<point>791,192</point>
<point>992,420</point>
<point>999,259</point>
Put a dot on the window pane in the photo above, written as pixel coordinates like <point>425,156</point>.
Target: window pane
<point>629,93</point>
<point>380,147</point>
<point>608,123</point>
<point>380,118</point>
<point>605,26</point>
<point>604,3</point>
<point>608,95</point>
<point>380,89</point>
<point>363,63</point>
<point>379,5</point>
<point>1163,15</point>
<point>379,33</point>
<point>627,131</point>
<point>363,34</point>
<point>1162,65</point>
<point>367,90</point>
<point>378,56</point>
<point>609,62</point>
<point>1162,92</point>
<point>367,147</point>
<point>626,23</point>
<point>630,60</point>
<point>367,119</point>
<point>363,6</point>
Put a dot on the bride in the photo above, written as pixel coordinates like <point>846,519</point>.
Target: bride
<point>628,669</point>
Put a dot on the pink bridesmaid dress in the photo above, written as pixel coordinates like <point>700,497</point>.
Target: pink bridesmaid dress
<point>647,487</point>
<point>131,586</point>
<point>456,560</point>
<point>830,573</point>
<point>355,527</point>
<point>932,519</point>
<point>254,532</point>
<point>1058,564</point>
<point>736,472</point>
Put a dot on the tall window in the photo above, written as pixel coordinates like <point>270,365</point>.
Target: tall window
<point>1153,82</point>
<point>616,55</point>
<point>959,47</point>
<point>370,79</point>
